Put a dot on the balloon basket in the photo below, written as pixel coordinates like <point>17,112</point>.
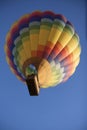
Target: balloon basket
<point>33,85</point>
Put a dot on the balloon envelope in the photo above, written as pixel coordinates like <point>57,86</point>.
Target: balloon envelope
<point>45,44</point>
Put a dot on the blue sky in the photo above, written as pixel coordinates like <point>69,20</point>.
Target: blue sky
<point>61,108</point>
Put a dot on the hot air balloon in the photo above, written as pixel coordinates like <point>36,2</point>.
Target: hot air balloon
<point>42,50</point>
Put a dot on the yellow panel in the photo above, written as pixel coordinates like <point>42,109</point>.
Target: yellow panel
<point>44,72</point>
<point>21,62</point>
<point>54,78</point>
<point>27,48</point>
<point>46,76</point>
<point>76,52</point>
<point>43,36</point>
<point>34,38</point>
<point>65,38</point>
<point>22,56</point>
<point>72,44</point>
<point>54,35</point>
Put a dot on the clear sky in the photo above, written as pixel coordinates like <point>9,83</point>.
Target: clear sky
<point>61,108</point>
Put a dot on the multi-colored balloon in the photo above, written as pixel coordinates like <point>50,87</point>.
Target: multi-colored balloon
<point>42,49</point>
